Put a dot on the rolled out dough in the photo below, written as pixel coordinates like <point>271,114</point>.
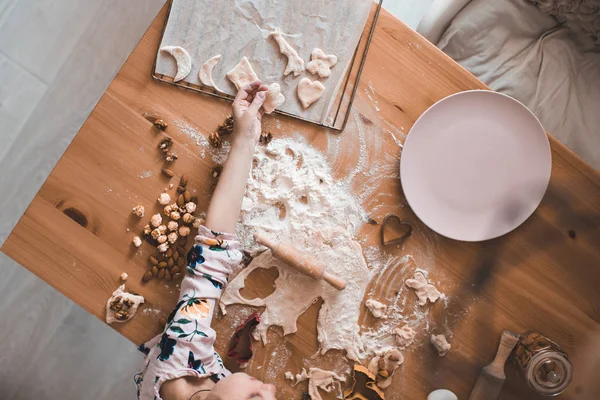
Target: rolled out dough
<point>205,74</point>
<point>242,74</point>
<point>295,63</point>
<point>320,379</point>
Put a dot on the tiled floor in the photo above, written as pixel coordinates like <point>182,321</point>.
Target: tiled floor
<point>56,59</point>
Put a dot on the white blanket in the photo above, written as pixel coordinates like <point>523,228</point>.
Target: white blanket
<point>515,49</point>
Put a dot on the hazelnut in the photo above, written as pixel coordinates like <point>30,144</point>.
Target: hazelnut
<point>156,220</point>
<point>163,247</point>
<point>172,225</point>
<point>147,230</point>
<point>138,211</point>
<point>190,207</point>
<point>188,218</point>
<point>162,229</point>
<point>172,237</point>
<point>137,242</point>
<point>175,215</point>
<point>161,239</point>
<point>167,210</point>
<point>155,234</point>
<point>198,222</point>
<point>164,199</point>
<point>184,231</point>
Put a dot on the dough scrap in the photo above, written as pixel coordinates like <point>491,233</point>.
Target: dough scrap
<point>321,63</point>
<point>242,74</point>
<point>441,344</point>
<point>309,91</point>
<point>295,62</point>
<point>124,296</point>
<point>423,289</point>
<point>327,381</point>
<point>183,60</point>
<point>205,74</point>
<point>376,308</point>
<point>274,98</point>
<point>384,367</point>
<point>404,336</point>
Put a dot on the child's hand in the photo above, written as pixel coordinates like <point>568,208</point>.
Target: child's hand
<point>247,112</point>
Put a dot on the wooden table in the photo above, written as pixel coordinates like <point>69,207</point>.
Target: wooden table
<point>76,234</point>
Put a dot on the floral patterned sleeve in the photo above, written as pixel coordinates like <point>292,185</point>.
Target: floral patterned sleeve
<point>186,346</point>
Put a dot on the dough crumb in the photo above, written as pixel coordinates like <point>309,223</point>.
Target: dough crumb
<point>321,63</point>
<point>295,63</point>
<point>423,289</point>
<point>404,336</point>
<point>441,344</point>
<point>376,308</point>
<point>309,92</point>
<point>124,276</point>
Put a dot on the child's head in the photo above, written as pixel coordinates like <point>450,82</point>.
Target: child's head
<point>241,386</point>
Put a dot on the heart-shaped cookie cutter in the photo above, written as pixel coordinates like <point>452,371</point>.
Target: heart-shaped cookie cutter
<point>393,217</point>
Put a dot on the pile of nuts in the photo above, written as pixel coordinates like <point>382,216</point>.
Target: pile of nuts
<point>121,308</point>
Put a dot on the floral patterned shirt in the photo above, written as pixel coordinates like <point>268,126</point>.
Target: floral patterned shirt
<point>185,348</point>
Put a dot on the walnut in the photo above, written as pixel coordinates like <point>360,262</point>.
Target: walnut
<point>147,230</point>
<point>156,220</point>
<point>162,239</point>
<point>162,229</point>
<point>122,315</point>
<point>116,304</point>
<point>172,225</point>
<point>138,211</point>
<point>127,303</point>
<point>160,124</point>
<point>227,126</point>
<point>175,215</point>
<point>168,209</point>
<point>188,218</point>
<point>137,242</point>
<point>190,207</point>
<point>265,138</point>
<point>198,222</point>
<point>165,144</point>
<point>171,157</point>
<point>164,199</point>
<point>155,234</point>
<point>215,140</point>
<point>172,237</point>
<point>184,231</point>
<point>163,247</point>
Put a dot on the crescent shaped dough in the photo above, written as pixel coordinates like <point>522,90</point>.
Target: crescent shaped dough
<point>242,74</point>
<point>184,62</point>
<point>309,91</point>
<point>295,62</point>
<point>205,74</point>
<point>274,98</point>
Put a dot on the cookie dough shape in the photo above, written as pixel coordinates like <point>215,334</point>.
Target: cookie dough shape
<point>423,289</point>
<point>121,295</point>
<point>205,74</point>
<point>404,336</point>
<point>441,344</point>
<point>321,63</point>
<point>183,60</point>
<point>376,308</point>
<point>295,62</point>
<point>242,74</point>
<point>309,92</point>
<point>274,98</point>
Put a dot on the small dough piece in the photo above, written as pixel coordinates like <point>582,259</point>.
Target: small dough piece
<point>376,308</point>
<point>384,367</point>
<point>242,74</point>
<point>405,336</point>
<point>274,98</point>
<point>321,63</point>
<point>309,91</point>
<point>205,74</point>
<point>183,60</point>
<point>441,344</point>
<point>295,63</point>
<point>121,306</point>
<point>424,290</point>
<point>327,381</point>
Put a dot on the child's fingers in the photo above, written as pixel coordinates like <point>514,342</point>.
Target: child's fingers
<point>257,102</point>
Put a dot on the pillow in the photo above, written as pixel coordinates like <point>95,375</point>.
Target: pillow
<point>579,15</point>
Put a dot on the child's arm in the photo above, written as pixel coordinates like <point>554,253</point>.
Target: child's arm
<point>224,208</point>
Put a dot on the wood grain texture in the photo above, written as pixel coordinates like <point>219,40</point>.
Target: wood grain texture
<point>537,277</point>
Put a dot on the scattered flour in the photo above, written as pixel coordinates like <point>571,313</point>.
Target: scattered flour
<point>219,156</point>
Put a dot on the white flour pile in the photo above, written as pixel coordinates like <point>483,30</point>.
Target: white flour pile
<point>292,196</point>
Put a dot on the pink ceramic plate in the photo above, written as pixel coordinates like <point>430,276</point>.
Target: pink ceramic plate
<point>475,165</point>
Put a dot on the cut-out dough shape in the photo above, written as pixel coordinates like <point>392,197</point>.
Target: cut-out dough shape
<point>423,289</point>
<point>404,336</point>
<point>327,381</point>
<point>295,62</point>
<point>376,308</point>
<point>183,60</point>
<point>205,74</point>
<point>309,92</point>
<point>124,302</point>
<point>321,63</point>
<point>274,98</point>
<point>441,344</point>
<point>242,74</point>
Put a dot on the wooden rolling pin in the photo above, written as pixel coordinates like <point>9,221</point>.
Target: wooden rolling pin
<point>491,379</point>
<point>299,261</point>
